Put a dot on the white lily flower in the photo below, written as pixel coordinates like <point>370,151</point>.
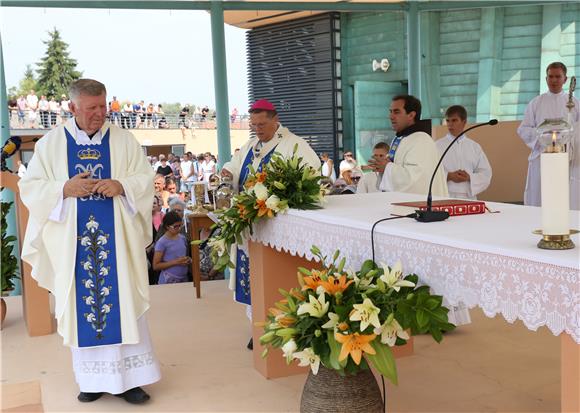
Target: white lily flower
<point>289,348</point>
<point>394,277</point>
<point>106,308</point>
<point>89,300</point>
<point>316,307</point>
<point>103,255</point>
<point>260,191</point>
<point>219,246</point>
<point>367,313</point>
<point>390,330</point>
<point>85,241</point>
<point>88,266</point>
<point>105,291</point>
<point>307,357</point>
<point>92,225</point>
<point>91,317</point>
<point>332,321</point>
<point>89,283</point>
<point>104,271</point>
<point>272,203</point>
<point>101,240</point>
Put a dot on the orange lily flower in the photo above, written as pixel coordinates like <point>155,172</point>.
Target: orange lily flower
<point>261,177</point>
<point>355,344</point>
<point>250,182</point>
<point>313,281</point>
<point>335,285</point>
<point>294,292</point>
<point>263,209</point>
<point>286,320</point>
<point>275,311</point>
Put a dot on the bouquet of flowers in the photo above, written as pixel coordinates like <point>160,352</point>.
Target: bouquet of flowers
<point>347,320</point>
<point>283,184</point>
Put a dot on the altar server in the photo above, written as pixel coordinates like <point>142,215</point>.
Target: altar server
<point>549,105</point>
<point>413,154</point>
<point>270,137</point>
<point>370,181</point>
<point>467,168</point>
<point>88,190</point>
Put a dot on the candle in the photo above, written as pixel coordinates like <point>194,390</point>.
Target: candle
<point>555,193</point>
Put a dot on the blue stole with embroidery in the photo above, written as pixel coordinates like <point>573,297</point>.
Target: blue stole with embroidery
<point>394,146</point>
<point>243,294</point>
<point>96,284</point>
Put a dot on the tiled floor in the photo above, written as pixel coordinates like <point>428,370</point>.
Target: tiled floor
<point>488,366</point>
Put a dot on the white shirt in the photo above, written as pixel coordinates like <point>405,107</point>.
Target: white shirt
<point>32,102</point>
<point>187,168</point>
<point>369,182</point>
<point>466,155</point>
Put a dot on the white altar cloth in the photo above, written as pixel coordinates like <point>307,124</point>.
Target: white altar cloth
<point>487,260</point>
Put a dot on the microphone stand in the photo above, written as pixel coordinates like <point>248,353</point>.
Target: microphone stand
<point>434,216</point>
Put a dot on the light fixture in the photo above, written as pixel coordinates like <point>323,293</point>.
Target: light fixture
<point>384,65</point>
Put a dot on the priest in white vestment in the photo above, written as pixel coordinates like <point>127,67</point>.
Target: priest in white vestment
<point>413,155</point>
<point>549,105</point>
<point>270,137</point>
<point>88,190</point>
<point>467,168</point>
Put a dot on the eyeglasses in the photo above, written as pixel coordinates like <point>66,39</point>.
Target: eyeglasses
<point>176,226</point>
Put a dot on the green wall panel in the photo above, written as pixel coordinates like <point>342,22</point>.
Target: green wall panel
<point>522,39</point>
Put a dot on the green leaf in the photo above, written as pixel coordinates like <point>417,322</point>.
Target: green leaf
<point>422,318</point>
<point>383,361</point>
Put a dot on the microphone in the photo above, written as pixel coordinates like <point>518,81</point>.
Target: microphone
<point>9,149</point>
<point>434,216</point>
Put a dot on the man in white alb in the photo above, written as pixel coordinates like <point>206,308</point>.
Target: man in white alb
<point>271,137</point>
<point>468,170</point>
<point>370,181</point>
<point>413,155</point>
<point>88,190</point>
<point>549,105</point>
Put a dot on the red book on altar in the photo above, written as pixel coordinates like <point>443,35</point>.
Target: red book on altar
<point>452,206</point>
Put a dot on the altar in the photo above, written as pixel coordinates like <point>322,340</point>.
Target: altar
<point>489,260</point>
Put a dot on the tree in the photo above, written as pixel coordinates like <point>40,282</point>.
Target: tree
<point>26,84</point>
<point>56,69</point>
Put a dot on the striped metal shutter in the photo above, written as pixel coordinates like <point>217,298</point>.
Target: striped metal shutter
<point>296,66</point>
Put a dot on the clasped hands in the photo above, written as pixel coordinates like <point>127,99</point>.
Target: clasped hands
<point>81,185</point>
<point>458,176</point>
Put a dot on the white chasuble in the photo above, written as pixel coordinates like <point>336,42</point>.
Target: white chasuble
<point>255,154</point>
<point>413,165</point>
<point>50,246</point>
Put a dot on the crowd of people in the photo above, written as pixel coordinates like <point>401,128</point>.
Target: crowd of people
<point>169,255</point>
<point>44,112</point>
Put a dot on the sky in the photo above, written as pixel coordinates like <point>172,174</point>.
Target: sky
<point>151,55</point>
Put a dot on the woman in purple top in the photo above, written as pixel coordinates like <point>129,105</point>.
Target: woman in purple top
<point>171,251</point>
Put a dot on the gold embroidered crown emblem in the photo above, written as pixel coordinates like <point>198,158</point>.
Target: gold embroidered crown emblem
<point>89,154</point>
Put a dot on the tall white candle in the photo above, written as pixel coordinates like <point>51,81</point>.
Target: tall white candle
<point>555,193</point>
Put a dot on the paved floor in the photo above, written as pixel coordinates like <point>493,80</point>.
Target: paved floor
<point>488,366</point>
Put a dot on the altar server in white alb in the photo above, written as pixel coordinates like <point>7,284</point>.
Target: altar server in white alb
<point>89,193</point>
<point>467,168</point>
<point>270,137</point>
<point>549,105</point>
<point>371,181</point>
<point>413,155</point>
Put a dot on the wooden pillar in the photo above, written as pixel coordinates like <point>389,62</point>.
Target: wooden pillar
<point>35,299</point>
<point>570,374</point>
<point>551,35</point>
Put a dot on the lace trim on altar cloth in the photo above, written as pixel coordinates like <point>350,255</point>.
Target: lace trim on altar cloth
<point>536,293</point>
<point>115,367</point>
